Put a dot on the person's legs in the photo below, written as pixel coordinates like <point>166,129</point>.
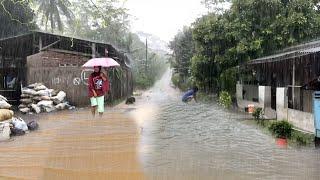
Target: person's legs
<point>93,110</point>
<point>189,98</point>
<point>100,101</point>
<point>94,104</point>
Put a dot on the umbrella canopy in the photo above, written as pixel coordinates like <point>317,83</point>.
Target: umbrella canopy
<point>103,62</point>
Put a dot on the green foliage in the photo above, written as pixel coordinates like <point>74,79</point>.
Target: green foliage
<point>16,17</point>
<point>143,82</point>
<point>181,82</point>
<point>301,138</point>
<point>257,113</point>
<point>183,49</point>
<point>104,21</point>
<point>51,11</point>
<point>228,79</point>
<point>281,129</point>
<point>176,79</point>
<point>146,76</point>
<point>297,137</point>
<point>225,99</point>
<point>248,30</point>
<point>205,97</point>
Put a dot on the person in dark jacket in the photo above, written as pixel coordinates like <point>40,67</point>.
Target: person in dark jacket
<point>190,94</point>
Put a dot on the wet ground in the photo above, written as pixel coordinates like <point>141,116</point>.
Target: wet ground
<point>157,138</point>
<point>73,145</point>
<point>204,141</point>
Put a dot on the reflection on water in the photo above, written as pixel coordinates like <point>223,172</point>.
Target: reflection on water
<point>203,141</point>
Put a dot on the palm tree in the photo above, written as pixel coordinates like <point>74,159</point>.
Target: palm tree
<point>52,10</point>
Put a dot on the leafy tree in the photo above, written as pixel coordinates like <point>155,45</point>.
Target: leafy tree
<point>52,10</point>
<point>183,49</point>
<point>16,17</point>
<point>248,30</point>
<point>105,21</point>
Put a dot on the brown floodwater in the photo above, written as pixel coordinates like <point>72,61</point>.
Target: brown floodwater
<point>158,138</point>
<point>73,145</point>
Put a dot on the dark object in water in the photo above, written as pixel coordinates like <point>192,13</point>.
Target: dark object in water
<point>17,132</point>
<point>317,142</point>
<point>130,100</point>
<point>32,125</point>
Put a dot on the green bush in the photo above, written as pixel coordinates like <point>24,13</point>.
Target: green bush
<point>225,99</point>
<point>179,81</point>
<point>175,79</point>
<point>302,138</point>
<point>143,82</point>
<point>281,129</point>
<point>257,113</point>
<point>204,97</point>
<point>228,80</point>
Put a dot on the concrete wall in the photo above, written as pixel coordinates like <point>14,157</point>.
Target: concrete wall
<point>265,96</point>
<point>282,103</point>
<point>63,72</point>
<point>302,120</point>
<point>239,89</point>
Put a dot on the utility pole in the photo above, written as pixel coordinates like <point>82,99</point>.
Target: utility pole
<point>146,56</point>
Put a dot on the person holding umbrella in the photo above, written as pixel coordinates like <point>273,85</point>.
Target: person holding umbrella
<point>97,85</point>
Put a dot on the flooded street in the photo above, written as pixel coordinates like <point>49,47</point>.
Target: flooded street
<point>204,141</point>
<point>73,145</point>
<point>159,137</point>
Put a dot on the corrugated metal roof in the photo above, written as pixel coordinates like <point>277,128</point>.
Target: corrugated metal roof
<point>297,51</point>
<point>275,56</point>
<point>16,36</point>
<point>311,50</point>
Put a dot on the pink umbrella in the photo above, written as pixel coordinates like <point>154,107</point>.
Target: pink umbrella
<point>103,62</point>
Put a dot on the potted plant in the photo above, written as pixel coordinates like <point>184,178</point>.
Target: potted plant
<point>282,130</point>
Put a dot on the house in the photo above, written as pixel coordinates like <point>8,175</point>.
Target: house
<point>283,84</point>
<point>56,61</point>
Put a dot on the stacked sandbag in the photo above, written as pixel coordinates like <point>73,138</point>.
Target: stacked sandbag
<point>5,114</point>
<point>5,130</point>
<point>4,103</point>
<point>38,98</point>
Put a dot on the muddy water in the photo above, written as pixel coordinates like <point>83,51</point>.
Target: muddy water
<point>73,145</point>
<point>203,141</point>
<point>157,138</point>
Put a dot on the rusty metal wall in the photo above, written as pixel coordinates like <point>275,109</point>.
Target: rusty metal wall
<point>63,72</point>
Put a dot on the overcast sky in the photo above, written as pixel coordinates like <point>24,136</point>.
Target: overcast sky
<point>163,18</point>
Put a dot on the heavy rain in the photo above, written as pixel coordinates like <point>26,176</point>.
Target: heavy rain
<point>150,89</point>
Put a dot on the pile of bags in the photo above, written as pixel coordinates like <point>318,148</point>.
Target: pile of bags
<point>38,98</point>
<point>4,103</point>
<point>11,126</point>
